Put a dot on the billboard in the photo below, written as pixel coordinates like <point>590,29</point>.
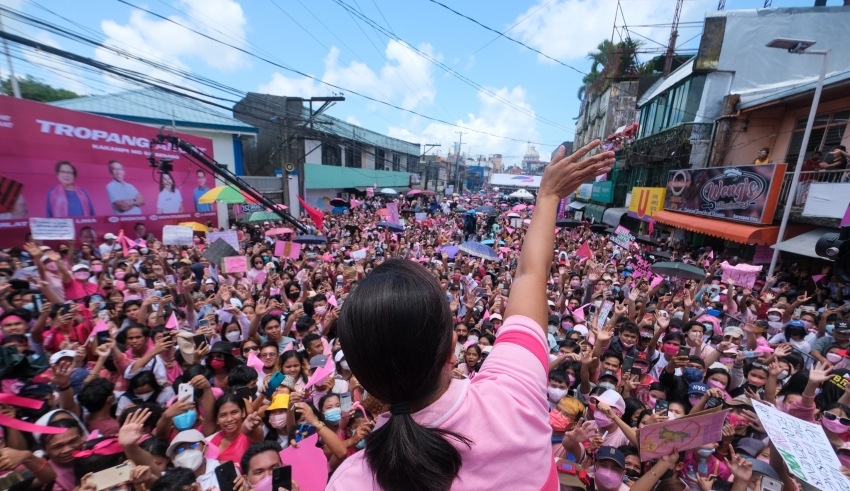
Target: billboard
<point>646,202</point>
<point>745,193</point>
<point>94,169</point>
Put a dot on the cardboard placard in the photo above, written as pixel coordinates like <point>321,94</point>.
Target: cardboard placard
<point>804,447</point>
<point>392,213</point>
<point>218,250</point>
<point>309,464</point>
<point>684,433</point>
<point>358,254</point>
<point>229,236</point>
<point>52,228</point>
<point>177,235</point>
<point>742,274</point>
<point>234,264</point>
<point>622,236</point>
<point>287,249</point>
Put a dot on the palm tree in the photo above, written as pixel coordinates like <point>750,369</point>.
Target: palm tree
<point>624,54</point>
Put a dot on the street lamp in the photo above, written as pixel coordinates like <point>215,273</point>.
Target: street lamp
<point>799,47</point>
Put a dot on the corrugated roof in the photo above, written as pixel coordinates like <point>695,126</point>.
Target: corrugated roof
<point>153,106</point>
<point>764,96</point>
<point>332,177</point>
<point>663,84</point>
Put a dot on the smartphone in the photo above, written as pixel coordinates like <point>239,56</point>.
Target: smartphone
<point>203,323</point>
<point>504,292</point>
<point>305,431</point>
<point>768,484</point>
<point>150,292</point>
<point>627,363</point>
<point>65,309</point>
<point>103,314</point>
<point>199,340</point>
<point>345,402</point>
<point>184,390</point>
<point>102,337</point>
<point>712,402</point>
<point>592,309</point>
<point>661,405</point>
<point>798,313</point>
<point>274,382</point>
<point>225,474</point>
<point>635,371</point>
<point>112,477</point>
<point>38,301</point>
<point>684,351</point>
<point>282,477</point>
<point>783,299</point>
<point>244,392</point>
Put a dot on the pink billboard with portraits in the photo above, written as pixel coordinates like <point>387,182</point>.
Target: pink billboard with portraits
<point>59,163</point>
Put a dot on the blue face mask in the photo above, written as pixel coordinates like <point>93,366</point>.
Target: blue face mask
<point>185,421</point>
<point>692,374</point>
<point>361,444</point>
<point>829,327</point>
<point>333,416</point>
<point>30,306</point>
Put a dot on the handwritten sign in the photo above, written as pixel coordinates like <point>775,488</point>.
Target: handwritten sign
<point>763,255</point>
<point>392,213</point>
<point>52,228</point>
<point>642,269</point>
<point>421,216</point>
<point>234,264</point>
<point>177,235</point>
<point>742,274</point>
<point>287,249</point>
<point>358,254</point>
<point>804,447</point>
<point>229,236</point>
<point>622,237</point>
<point>684,433</point>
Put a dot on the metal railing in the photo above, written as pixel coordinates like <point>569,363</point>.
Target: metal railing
<point>806,178</point>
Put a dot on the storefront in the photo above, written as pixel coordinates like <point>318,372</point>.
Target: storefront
<point>594,212</point>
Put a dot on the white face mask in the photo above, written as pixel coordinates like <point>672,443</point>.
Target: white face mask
<point>189,459</point>
<point>144,397</point>
<point>774,318</point>
<point>556,394</point>
<point>233,336</point>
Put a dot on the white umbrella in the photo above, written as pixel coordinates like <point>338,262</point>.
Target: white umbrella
<point>522,194</point>
<point>388,191</point>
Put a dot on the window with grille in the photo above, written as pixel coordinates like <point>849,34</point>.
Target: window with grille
<point>331,155</point>
<point>379,159</point>
<point>353,156</point>
<point>827,132</point>
<point>396,162</point>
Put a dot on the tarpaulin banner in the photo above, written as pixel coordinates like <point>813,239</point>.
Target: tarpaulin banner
<point>646,202</point>
<point>744,193</point>
<point>94,169</point>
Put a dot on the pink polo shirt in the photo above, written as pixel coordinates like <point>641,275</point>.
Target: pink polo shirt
<point>511,387</point>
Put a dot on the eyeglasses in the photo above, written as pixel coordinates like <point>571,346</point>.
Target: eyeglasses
<point>192,446</point>
<point>268,355</point>
<point>834,417</point>
<point>248,349</point>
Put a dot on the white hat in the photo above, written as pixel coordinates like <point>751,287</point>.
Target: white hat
<point>110,236</point>
<point>581,328</point>
<point>338,357</point>
<point>551,303</point>
<point>55,357</point>
<point>613,399</point>
<point>496,316</point>
<point>78,267</point>
<point>185,436</point>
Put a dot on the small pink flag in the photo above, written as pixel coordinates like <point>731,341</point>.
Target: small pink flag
<point>100,327</point>
<point>319,376</point>
<point>711,254</point>
<point>817,277</point>
<point>288,347</point>
<point>172,322</point>
<point>656,280</point>
<point>326,350</point>
<point>509,229</point>
<point>584,250</point>
<point>255,363</point>
<point>332,297</point>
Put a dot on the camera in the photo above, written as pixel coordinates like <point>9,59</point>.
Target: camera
<point>836,247</point>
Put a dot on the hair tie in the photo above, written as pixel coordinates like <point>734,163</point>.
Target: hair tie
<point>400,408</point>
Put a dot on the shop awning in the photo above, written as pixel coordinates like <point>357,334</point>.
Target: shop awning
<point>736,232</point>
<point>804,244</point>
<point>595,212</point>
<point>577,205</point>
<point>612,216</point>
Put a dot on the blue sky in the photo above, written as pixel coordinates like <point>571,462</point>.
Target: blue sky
<point>517,95</point>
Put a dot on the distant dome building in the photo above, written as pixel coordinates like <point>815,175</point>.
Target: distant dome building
<point>531,163</point>
<point>531,154</point>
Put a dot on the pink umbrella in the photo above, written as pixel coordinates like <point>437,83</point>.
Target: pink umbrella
<point>279,231</point>
<point>531,207</point>
<point>279,207</point>
<point>414,192</point>
<point>519,207</point>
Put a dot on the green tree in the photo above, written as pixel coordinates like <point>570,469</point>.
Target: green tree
<point>624,54</point>
<point>36,90</point>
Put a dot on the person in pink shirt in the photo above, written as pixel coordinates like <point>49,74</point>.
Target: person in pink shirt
<point>396,330</point>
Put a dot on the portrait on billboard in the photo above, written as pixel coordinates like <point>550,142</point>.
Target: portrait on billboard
<point>125,198</point>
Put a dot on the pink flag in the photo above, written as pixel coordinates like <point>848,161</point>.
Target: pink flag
<point>255,363</point>
<point>817,277</point>
<point>656,280</point>
<point>288,347</point>
<point>327,352</point>
<point>100,327</point>
<point>584,250</point>
<point>121,241</point>
<point>711,254</point>
<point>332,298</point>
<point>319,376</point>
<point>846,220</point>
<point>309,464</point>
<point>172,322</point>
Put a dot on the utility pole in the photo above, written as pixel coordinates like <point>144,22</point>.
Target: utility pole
<point>674,34</point>
<point>428,146</point>
<point>16,90</point>
<point>457,163</point>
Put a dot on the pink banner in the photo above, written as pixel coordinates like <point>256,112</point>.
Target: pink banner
<point>392,213</point>
<point>742,274</point>
<point>234,264</point>
<point>287,249</point>
<point>94,169</point>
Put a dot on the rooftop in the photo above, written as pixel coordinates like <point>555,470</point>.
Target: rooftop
<point>156,107</point>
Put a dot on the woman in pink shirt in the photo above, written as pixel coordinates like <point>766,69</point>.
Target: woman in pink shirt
<point>442,433</point>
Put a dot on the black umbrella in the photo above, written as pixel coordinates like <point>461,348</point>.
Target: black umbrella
<point>567,223</point>
<point>310,239</point>
<point>352,228</point>
<point>340,202</point>
<point>609,230</point>
<point>408,211</point>
<point>598,228</point>
<point>679,270</point>
<point>13,365</point>
<point>392,226</point>
<point>661,254</point>
<point>646,240</point>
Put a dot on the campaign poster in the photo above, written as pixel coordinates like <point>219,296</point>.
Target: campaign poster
<point>95,170</point>
<point>743,193</point>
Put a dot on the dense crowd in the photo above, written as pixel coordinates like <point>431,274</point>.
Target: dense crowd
<point>152,364</point>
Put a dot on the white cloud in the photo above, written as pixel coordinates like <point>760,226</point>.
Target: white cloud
<point>353,120</point>
<point>493,117</point>
<point>406,79</point>
<point>170,43</point>
<point>569,29</point>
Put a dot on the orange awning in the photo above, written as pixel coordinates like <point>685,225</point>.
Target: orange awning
<point>736,232</point>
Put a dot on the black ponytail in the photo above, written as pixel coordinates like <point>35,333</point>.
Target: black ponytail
<point>396,331</point>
